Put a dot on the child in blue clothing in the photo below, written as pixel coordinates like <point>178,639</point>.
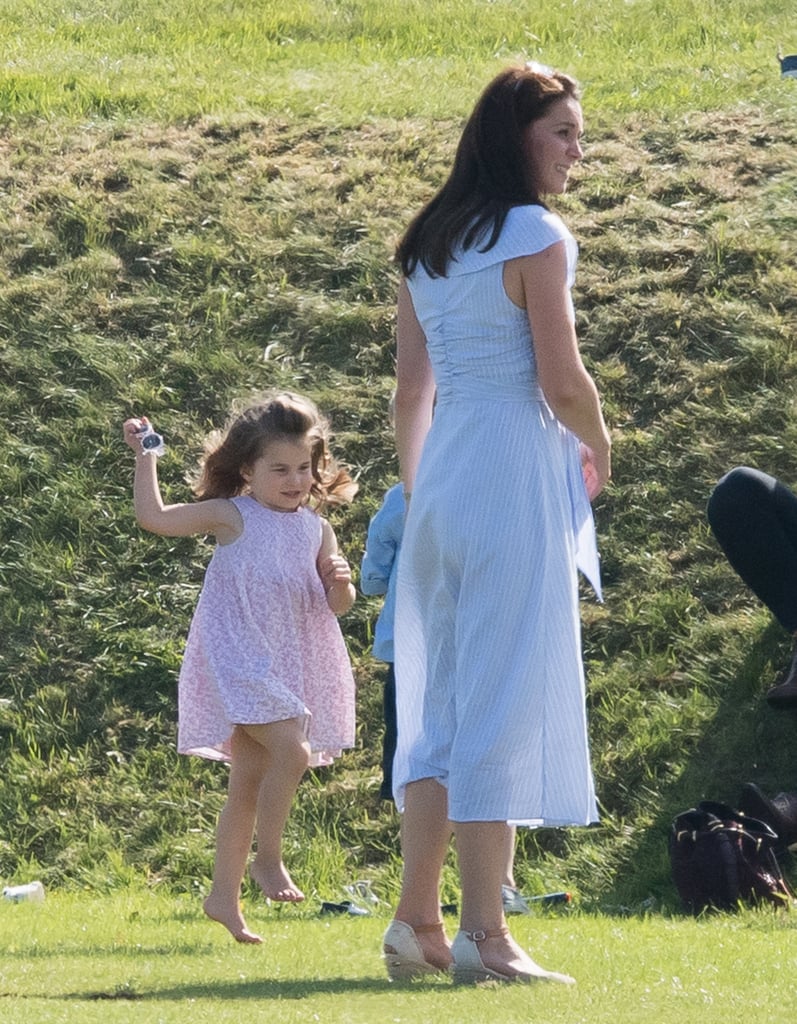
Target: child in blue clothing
<point>378,576</point>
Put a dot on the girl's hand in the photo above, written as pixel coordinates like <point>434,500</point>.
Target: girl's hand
<point>597,468</point>
<point>133,431</point>
<point>334,570</point>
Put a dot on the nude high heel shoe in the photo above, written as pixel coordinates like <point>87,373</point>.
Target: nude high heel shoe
<point>403,954</point>
<point>468,967</point>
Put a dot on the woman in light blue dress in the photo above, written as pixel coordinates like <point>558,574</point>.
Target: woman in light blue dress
<point>490,685</point>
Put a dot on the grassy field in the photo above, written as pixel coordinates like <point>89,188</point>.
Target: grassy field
<point>342,62</point>
<point>151,959</point>
<point>197,207</point>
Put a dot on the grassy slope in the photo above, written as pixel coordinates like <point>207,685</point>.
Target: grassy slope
<point>167,269</point>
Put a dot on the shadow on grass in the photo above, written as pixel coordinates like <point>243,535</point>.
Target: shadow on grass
<point>745,741</point>
<point>284,988</point>
<point>97,952</point>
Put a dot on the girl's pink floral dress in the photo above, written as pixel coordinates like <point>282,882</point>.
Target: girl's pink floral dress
<point>264,645</point>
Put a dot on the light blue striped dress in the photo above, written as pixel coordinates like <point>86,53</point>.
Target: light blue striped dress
<point>490,681</point>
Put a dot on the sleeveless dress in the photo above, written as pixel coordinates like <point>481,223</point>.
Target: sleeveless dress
<point>489,674</point>
<point>264,646</point>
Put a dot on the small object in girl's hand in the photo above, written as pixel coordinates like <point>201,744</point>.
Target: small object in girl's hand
<point>151,441</point>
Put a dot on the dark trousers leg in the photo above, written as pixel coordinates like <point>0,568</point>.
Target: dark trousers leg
<point>754,518</point>
<point>390,734</point>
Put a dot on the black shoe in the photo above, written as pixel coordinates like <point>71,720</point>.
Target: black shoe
<point>783,697</point>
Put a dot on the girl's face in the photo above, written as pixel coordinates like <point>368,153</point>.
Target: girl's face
<point>282,477</point>
<point>551,144</point>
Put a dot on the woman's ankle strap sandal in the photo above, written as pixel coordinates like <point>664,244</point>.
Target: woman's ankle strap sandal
<point>403,954</point>
<point>480,936</point>
<point>469,968</point>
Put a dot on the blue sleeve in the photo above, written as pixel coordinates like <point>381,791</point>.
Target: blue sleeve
<point>382,545</point>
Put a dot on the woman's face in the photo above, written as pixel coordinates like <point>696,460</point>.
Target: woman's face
<point>551,145</point>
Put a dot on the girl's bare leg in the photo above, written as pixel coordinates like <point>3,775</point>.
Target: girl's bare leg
<point>234,835</point>
<point>288,757</point>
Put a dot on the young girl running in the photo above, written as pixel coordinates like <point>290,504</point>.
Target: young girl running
<point>266,682</point>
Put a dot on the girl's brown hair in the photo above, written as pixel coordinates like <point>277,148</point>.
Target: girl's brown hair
<point>277,416</point>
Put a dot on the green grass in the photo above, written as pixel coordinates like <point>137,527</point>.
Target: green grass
<point>162,252</point>
<point>152,958</point>
<point>346,61</point>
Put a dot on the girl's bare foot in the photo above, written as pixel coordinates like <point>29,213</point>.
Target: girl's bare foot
<point>231,917</point>
<point>275,882</point>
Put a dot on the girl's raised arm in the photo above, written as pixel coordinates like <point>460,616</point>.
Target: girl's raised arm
<point>217,516</point>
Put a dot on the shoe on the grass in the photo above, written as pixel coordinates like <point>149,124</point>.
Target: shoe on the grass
<point>513,900</point>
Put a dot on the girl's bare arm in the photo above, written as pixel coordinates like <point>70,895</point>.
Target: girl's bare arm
<point>217,516</point>
<point>335,572</point>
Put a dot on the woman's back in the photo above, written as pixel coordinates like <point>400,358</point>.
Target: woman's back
<point>478,340</point>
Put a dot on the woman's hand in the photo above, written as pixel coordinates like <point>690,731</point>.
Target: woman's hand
<point>597,469</point>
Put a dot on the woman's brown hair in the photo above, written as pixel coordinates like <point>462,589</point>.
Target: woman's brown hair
<point>490,173</point>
